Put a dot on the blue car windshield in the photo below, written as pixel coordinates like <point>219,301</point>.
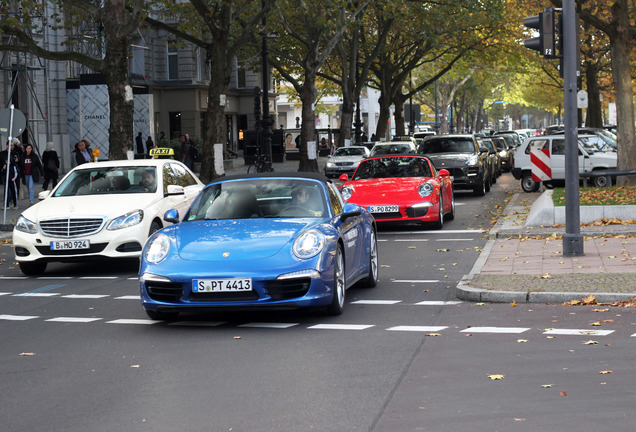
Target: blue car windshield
<point>259,198</point>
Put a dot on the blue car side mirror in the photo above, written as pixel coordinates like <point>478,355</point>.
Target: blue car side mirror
<point>171,216</point>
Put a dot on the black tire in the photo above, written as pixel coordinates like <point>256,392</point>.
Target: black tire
<point>529,185</point>
<point>480,189</point>
<point>162,315</point>
<point>339,284</point>
<point>601,181</point>
<point>451,215</point>
<point>372,279</point>
<point>488,183</point>
<point>439,224</point>
<point>154,227</point>
<point>32,268</point>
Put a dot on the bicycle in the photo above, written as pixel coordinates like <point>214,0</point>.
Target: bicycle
<point>260,165</point>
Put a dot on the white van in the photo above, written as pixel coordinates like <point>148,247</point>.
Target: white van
<point>590,159</point>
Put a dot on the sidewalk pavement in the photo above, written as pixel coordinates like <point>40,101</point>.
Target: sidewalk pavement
<point>526,264</point>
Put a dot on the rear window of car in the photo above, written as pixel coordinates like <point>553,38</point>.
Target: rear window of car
<point>388,149</point>
<point>447,145</point>
<point>350,151</point>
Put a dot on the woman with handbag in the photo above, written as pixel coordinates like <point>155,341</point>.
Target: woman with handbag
<point>51,163</point>
<point>31,168</point>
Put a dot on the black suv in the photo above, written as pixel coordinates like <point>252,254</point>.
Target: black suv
<point>466,160</point>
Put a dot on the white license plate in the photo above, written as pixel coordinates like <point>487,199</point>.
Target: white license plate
<point>384,209</point>
<point>222,285</point>
<point>70,244</point>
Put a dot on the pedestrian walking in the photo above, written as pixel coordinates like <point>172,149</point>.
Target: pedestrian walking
<point>186,151</point>
<point>150,144</point>
<point>31,170</point>
<point>10,187</point>
<point>139,142</point>
<point>51,165</point>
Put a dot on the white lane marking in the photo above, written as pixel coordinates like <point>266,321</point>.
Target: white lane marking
<point>437,303</point>
<point>128,297</point>
<point>578,332</point>
<point>99,277</point>
<point>36,294</point>
<point>268,325</point>
<point>85,296</point>
<point>415,280</point>
<point>418,328</point>
<point>5,293</point>
<point>197,323</point>
<point>454,239</point>
<point>133,278</point>
<point>340,326</point>
<point>376,302</point>
<point>411,240</point>
<point>634,335</point>
<point>13,277</point>
<point>73,319</point>
<point>495,330</point>
<point>17,317</point>
<point>54,277</point>
<point>132,321</point>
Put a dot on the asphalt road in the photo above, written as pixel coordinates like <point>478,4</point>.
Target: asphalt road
<point>77,352</point>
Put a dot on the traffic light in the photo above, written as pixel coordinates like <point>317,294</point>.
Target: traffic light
<point>544,43</point>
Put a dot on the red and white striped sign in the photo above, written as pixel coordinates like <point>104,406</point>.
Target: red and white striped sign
<point>540,162</point>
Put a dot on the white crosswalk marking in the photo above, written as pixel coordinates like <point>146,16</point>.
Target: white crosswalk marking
<point>98,277</point>
<point>85,296</point>
<point>36,294</point>
<point>198,323</point>
<point>418,328</point>
<point>17,317</point>
<point>578,332</point>
<point>132,321</point>
<point>73,319</point>
<point>376,302</point>
<point>415,280</point>
<point>495,330</point>
<point>437,303</point>
<point>129,297</point>
<point>268,325</point>
<point>340,326</point>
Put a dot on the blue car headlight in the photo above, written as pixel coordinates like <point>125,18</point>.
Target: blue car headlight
<point>157,248</point>
<point>129,219</point>
<point>308,244</point>
<point>25,225</point>
<point>425,189</point>
<point>346,192</point>
<point>473,160</point>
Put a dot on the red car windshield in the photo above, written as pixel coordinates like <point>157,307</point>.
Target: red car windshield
<point>389,167</point>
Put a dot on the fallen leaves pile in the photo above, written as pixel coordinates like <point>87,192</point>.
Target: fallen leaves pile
<point>591,301</point>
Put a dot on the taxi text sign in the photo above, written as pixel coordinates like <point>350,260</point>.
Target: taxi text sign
<point>161,151</point>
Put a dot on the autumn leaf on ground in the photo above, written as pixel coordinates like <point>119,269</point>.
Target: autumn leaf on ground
<point>433,334</point>
<point>606,372</point>
<point>496,377</point>
<point>514,303</point>
<point>546,276</point>
<point>563,393</point>
<point>135,366</point>
<point>27,354</point>
<point>443,250</point>
<point>588,332</point>
<point>597,323</point>
<point>601,310</point>
<point>238,337</point>
<point>590,342</point>
<point>522,340</point>
<point>589,300</point>
<point>546,385</point>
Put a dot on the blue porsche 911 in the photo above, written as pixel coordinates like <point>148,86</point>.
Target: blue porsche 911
<point>272,240</point>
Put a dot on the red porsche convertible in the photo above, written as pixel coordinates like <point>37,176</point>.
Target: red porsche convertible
<point>404,188</point>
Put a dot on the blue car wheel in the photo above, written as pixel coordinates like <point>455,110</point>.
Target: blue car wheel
<point>339,288</point>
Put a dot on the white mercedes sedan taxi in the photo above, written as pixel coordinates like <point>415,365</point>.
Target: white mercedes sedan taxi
<point>102,210</point>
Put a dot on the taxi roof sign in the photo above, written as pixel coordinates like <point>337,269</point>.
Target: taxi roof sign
<point>161,151</point>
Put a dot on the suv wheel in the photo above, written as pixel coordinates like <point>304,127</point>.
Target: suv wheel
<point>480,189</point>
<point>529,185</point>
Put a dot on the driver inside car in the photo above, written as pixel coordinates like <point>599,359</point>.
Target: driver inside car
<point>302,196</point>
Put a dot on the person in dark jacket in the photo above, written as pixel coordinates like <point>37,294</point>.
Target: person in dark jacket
<point>82,152</point>
<point>31,169</point>
<point>139,142</point>
<point>51,165</point>
<point>10,187</point>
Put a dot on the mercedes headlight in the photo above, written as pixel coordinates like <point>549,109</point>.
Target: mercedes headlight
<point>331,164</point>
<point>127,220</point>
<point>308,244</point>
<point>157,248</point>
<point>346,192</point>
<point>473,160</point>
<point>425,189</point>
<point>25,225</point>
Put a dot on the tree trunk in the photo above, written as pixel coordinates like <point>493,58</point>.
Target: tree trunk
<point>594,115</point>
<point>621,72</point>
<point>346,120</point>
<point>308,127</point>
<point>398,115</point>
<point>383,120</point>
